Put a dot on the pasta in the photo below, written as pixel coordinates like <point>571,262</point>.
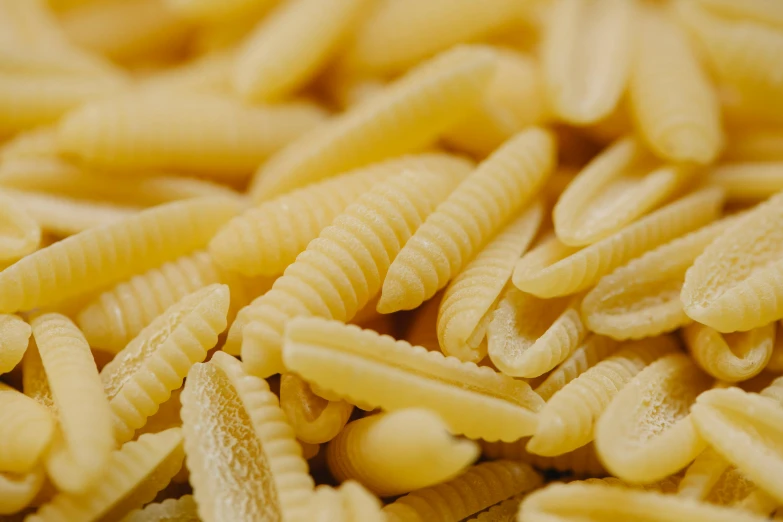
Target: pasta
<point>17,491</point>
<point>349,503</point>
<point>26,430</point>
<point>313,419</point>
<point>505,511</point>
<point>208,73</point>
<point>20,234</point>
<point>730,357</point>
<point>754,144</point>
<point>14,335</point>
<point>34,382</point>
<point>581,462</point>
<point>166,417</point>
<point>182,509</point>
<point>34,143</point>
<point>748,181</point>
<point>667,485</point>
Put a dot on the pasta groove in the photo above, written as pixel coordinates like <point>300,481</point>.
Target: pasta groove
<point>350,502</point>
<point>730,357</point>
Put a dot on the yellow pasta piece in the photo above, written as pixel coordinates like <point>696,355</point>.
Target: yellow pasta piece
<point>34,382</point>
<point>748,181</point>
<point>666,485</point>
<point>218,10</point>
<point>423,327</point>
<point>360,364</point>
<point>505,511</point>
<point>408,115</point>
<point>478,488</point>
<point>554,269</point>
<point>143,375</point>
<point>581,462</point>
<point>348,503</point>
<point>586,54</point>
<point>470,216</point>
<point>102,255</point>
<point>775,363</point>
<point>20,233</point>
<point>192,132</point>
<point>183,509</point>
<point>398,452</point>
<point>567,420</point>
<point>754,144</point>
<point>244,461</point>
<point>14,335</point>
<point>134,475</point>
<point>765,11</point>
<point>730,357</point>
<point>266,239</point>
<point>18,491</point>
<point>344,267</point>
<point>314,419</point>
<point>470,299</point>
<point>26,429</point>
<point>674,106</point>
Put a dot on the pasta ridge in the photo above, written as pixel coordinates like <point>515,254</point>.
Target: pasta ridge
<point>27,429</point>
<point>17,491</point>
<point>732,357</point>
<point>181,509</point>
<point>314,419</point>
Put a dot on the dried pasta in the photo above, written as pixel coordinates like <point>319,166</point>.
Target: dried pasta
<point>730,357</point>
<point>314,420</point>
<point>182,509</point>
<point>17,491</point>
<point>754,144</point>
<point>348,503</point>
<point>20,233</point>
<point>581,462</point>
<point>505,511</point>
<point>217,9</point>
<point>748,181</point>
<point>14,335</point>
<point>26,430</point>
<point>766,11</point>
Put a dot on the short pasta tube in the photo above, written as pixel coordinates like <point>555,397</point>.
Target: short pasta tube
<point>26,431</point>
<point>314,419</point>
<point>18,491</point>
<point>730,357</point>
<point>181,509</point>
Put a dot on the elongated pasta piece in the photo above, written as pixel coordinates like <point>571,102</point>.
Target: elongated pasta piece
<point>398,452</point>
<point>675,108</point>
<point>748,181</point>
<point>18,491</point>
<point>243,458</point>
<point>34,143</point>
<point>34,382</point>
<point>581,462</point>
<point>14,335</point>
<point>26,430</point>
<point>183,509</point>
<point>567,420</point>
<point>730,357</point>
<point>344,267</point>
<point>394,375</point>
<point>210,73</point>
<point>765,11</point>
<point>409,114</point>
<point>554,269</point>
<point>348,503</point>
<point>754,144</point>
<point>470,216</point>
<point>586,53</point>
<point>99,256</point>
<point>469,300</point>
<point>666,485</point>
<point>314,419</point>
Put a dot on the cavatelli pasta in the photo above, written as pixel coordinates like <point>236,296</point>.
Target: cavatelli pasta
<point>348,503</point>
<point>14,335</point>
<point>166,417</point>
<point>360,364</point>
<point>210,73</point>
<point>18,491</point>
<point>581,462</point>
<point>244,461</point>
<point>26,430</point>
<point>748,181</point>
<point>666,485</point>
<point>313,419</point>
<point>182,509</point>
<point>34,143</point>
<point>470,216</point>
<point>20,233</point>
<point>34,382</point>
<point>730,357</point>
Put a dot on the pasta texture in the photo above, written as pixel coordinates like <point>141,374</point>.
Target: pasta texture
<point>748,181</point>
<point>17,491</point>
<point>581,462</point>
<point>26,430</point>
<point>182,509</point>
<point>314,420</point>
<point>350,503</point>
<point>730,357</point>
<point>14,335</point>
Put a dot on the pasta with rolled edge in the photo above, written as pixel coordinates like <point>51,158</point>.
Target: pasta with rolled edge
<point>182,509</point>
<point>314,420</point>
<point>730,357</point>
<point>14,335</point>
<point>748,181</point>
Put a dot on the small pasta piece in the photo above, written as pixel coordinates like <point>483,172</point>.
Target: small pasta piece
<point>244,461</point>
<point>18,491</point>
<point>134,475</point>
<point>348,503</point>
<point>674,106</point>
<point>478,488</point>
<point>470,299</point>
<point>26,430</point>
<point>730,357</point>
<point>423,327</point>
<point>407,115</point>
<point>34,382</point>
<point>218,10</point>
<point>748,181</point>
<point>471,215</point>
<point>581,462</point>
<point>166,417</point>
<point>183,509</point>
<point>362,365</point>
<point>751,145</point>
<point>505,511</point>
<point>554,269</point>
<point>568,419</point>
<point>586,53</point>
<point>14,336</point>
<point>314,420</point>
<point>398,452</point>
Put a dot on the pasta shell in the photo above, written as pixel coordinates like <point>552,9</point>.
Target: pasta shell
<point>182,509</point>
<point>730,357</point>
<point>26,430</point>
<point>505,511</point>
<point>349,503</point>
<point>14,335</point>
<point>18,491</point>
<point>314,420</point>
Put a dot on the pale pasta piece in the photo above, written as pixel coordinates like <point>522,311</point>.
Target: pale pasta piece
<point>407,115</point>
<point>34,382</point>
<point>505,511</point>
<point>730,357</point>
<point>674,106</point>
<point>217,10</point>
<point>18,491</point>
<point>210,73</point>
<point>348,503</point>
<point>244,461</point>
<point>112,252</point>
<point>775,363</point>
<point>423,327</point>
<point>748,181</point>
<point>765,11</point>
<point>183,509</point>
<point>586,53</point>
<point>581,462</point>
<point>554,269</point>
<point>471,215</point>
<point>568,419</point>
<point>34,143</point>
<point>398,452</point>
<point>134,475</point>
<point>166,417</point>
<point>26,430</point>
<point>14,336</point>
<point>754,144</point>
<point>666,485</point>
<point>360,364</point>
<point>314,420</point>
<point>470,299</point>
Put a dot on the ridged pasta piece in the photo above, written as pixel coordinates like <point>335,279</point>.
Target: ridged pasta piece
<point>568,419</point>
<point>244,461</point>
<point>642,298</point>
<point>20,233</point>
<point>102,255</point>
<point>505,511</point>
<point>407,115</point>
<point>26,430</point>
<point>554,269</point>
<point>266,239</point>
<point>423,327</point>
<point>217,10</point>
<point>754,144</point>
<point>748,181</point>
<point>646,434</point>
<point>18,491</point>
<point>143,374</point>
<point>34,382</point>
<point>191,132</point>
<point>166,417</point>
<point>183,509</point>
<point>675,108</point>
<point>348,503</point>
<point>14,335</point>
<point>398,452</point>
<point>528,336</point>
<point>313,419</point>
<point>360,364</point>
<point>342,269</point>
<point>586,54</point>
<point>730,357</point>
<point>134,475</point>
<point>478,488</point>
<point>471,215</point>
<point>581,462</point>
<point>470,299</point>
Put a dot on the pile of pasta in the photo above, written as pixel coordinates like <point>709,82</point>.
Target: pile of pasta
<point>391,260</point>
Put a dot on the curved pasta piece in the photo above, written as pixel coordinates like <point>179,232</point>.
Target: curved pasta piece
<point>266,239</point>
<point>20,233</point>
<point>478,488</point>
<point>581,462</point>
<point>348,503</point>
<point>407,115</point>
<point>14,336</point>
<point>586,54</point>
<point>567,420</point>
<point>218,10</point>
<point>134,475</point>
<point>666,485</point>
<point>730,357</point>
<point>26,430</point>
<point>18,491</point>
<point>398,452</point>
<point>505,511</point>
<point>472,400</point>
<point>755,144</point>
<point>748,181</point>
<point>675,108</point>
<point>646,434</point>
<point>97,257</point>
<point>244,461</point>
<point>313,419</point>
<point>775,363</point>
<point>143,374</point>
<point>470,299</point>
<point>342,269</point>
<point>554,269</point>
<point>471,215</point>
<point>183,509</point>
<point>166,417</point>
